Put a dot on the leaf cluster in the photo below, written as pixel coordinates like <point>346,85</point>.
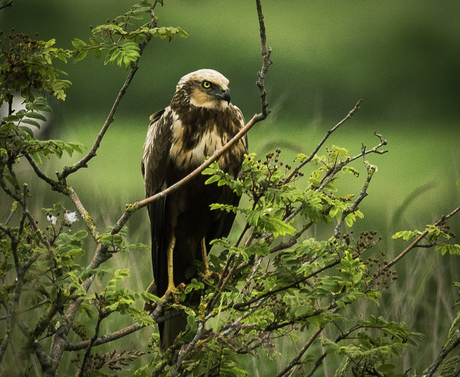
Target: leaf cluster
<point>27,65</point>
<point>275,282</point>
<point>122,37</point>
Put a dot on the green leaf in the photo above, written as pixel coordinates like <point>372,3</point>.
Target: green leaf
<point>36,158</point>
<point>31,122</point>
<point>213,179</point>
<point>80,55</point>
<point>78,43</point>
<point>81,234</point>
<point>36,115</point>
<point>349,219</point>
<point>96,52</point>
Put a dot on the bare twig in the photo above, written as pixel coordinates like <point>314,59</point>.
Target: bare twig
<point>328,133</point>
<point>54,185</point>
<point>296,360</point>
<point>5,4</point>
<point>266,60</point>
<point>83,213</point>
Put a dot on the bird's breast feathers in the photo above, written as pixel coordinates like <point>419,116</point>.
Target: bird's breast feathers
<point>206,145</point>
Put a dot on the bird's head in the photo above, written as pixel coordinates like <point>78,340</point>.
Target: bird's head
<point>206,88</point>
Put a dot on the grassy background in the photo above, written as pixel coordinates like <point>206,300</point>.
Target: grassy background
<point>402,58</point>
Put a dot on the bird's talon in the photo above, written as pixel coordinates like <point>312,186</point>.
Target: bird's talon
<point>215,276</point>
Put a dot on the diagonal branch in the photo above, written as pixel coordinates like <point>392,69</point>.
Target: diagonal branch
<point>328,133</point>
<point>5,4</point>
<point>297,359</point>
<point>414,244</point>
<point>155,315</point>
<point>83,163</point>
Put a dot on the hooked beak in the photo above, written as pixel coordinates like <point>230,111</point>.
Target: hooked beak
<point>223,94</point>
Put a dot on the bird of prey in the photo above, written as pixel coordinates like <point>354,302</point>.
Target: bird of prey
<point>199,120</point>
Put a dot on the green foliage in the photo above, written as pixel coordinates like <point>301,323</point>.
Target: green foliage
<point>22,140</point>
<point>293,271</point>
<point>27,64</point>
<point>120,38</point>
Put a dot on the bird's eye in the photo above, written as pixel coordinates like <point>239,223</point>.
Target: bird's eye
<point>206,84</point>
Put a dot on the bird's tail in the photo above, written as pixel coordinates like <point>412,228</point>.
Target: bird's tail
<point>170,329</point>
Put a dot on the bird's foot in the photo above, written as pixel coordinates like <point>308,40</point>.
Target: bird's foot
<point>215,276</point>
<point>172,290</point>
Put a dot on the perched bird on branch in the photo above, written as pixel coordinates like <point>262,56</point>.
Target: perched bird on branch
<point>199,120</point>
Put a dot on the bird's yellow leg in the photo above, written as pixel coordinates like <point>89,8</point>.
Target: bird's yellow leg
<point>204,256</point>
<point>170,254</point>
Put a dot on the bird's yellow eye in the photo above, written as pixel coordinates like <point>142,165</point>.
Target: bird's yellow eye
<point>206,84</point>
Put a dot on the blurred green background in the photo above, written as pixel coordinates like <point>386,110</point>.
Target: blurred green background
<point>401,57</point>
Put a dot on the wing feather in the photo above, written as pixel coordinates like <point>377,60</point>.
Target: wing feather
<point>154,163</point>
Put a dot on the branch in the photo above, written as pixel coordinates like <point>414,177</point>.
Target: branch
<point>131,209</point>
<point>446,349</point>
<point>328,133</point>
<point>240,306</point>
<point>5,4</point>
<point>54,185</point>
<point>419,238</point>
<point>83,163</point>
<point>292,241</point>
<point>83,213</point>
<point>331,173</point>
<point>350,209</point>
<point>296,360</point>
<point>266,60</point>
<point>155,315</point>
<point>186,348</point>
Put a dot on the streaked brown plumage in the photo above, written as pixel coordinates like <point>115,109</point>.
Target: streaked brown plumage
<point>199,120</point>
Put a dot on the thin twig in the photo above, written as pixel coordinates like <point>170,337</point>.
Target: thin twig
<point>186,348</point>
<point>266,60</point>
<point>328,133</point>
<point>331,173</point>
<point>7,3</point>
<point>354,207</point>
<point>155,315</point>
<point>419,238</point>
<point>296,360</point>
<point>83,213</point>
